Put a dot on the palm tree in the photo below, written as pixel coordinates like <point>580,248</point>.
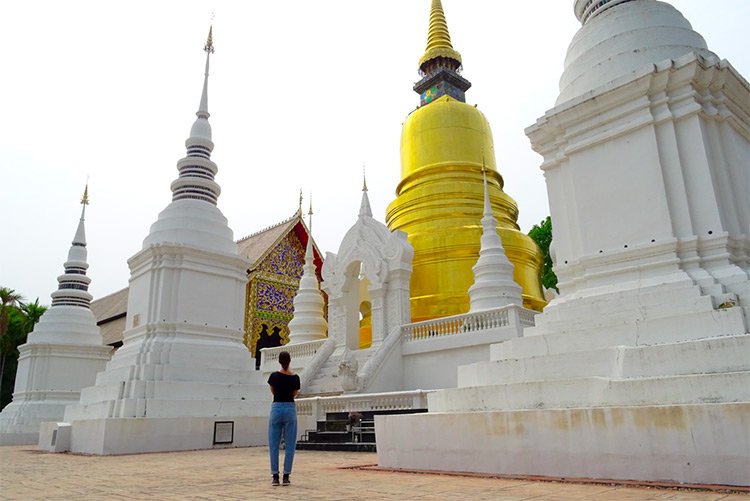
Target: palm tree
<point>18,320</point>
<point>33,312</point>
<point>8,299</point>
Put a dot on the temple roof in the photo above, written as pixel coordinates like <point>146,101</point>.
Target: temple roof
<point>110,314</point>
<point>257,246</point>
<point>111,306</point>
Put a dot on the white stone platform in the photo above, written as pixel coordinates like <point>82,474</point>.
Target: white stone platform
<point>697,443</point>
<point>138,435</point>
<point>546,406</point>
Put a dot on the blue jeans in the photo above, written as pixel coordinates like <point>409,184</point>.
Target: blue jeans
<point>283,420</point>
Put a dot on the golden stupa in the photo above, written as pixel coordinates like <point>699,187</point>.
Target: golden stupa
<point>445,144</point>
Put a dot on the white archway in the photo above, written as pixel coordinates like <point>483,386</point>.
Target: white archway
<point>368,251</point>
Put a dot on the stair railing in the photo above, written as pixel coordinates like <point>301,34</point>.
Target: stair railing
<point>318,360</point>
<point>375,363</point>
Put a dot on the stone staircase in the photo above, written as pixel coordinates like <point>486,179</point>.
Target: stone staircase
<point>326,381</point>
<point>335,433</point>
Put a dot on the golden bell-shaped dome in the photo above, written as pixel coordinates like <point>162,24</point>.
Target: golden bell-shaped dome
<point>439,201</point>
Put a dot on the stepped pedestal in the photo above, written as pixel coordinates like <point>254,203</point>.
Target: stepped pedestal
<point>63,355</point>
<point>674,412</point>
<point>180,370</point>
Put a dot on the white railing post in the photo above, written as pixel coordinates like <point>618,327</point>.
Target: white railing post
<point>316,409</point>
<point>513,319</point>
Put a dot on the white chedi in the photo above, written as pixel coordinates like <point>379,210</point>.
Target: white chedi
<point>616,40</point>
<point>493,286</point>
<point>308,322</point>
<point>182,366</point>
<point>62,355</point>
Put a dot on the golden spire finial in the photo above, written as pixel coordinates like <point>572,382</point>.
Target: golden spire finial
<point>85,199</point>
<point>299,209</point>
<point>209,47</point>
<point>438,38</point>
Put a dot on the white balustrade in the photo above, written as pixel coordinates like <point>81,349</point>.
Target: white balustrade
<point>296,351</point>
<point>527,317</point>
<point>468,322</point>
<point>398,400</point>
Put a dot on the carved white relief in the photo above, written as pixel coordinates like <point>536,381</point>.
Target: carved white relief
<point>348,368</point>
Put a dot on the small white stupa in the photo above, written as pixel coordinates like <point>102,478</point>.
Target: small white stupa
<point>493,273</point>
<point>183,378</point>
<point>62,354</point>
<point>308,322</point>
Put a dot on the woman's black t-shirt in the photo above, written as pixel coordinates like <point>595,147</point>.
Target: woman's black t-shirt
<point>283,386</point>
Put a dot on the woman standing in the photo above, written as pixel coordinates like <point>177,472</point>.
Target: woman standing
<point>285,386</point>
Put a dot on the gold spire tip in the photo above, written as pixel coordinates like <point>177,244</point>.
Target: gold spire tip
<point>85,199</point>
<point>438,37</point>
<point>299,209</point>
<point>209,47</point>
<point>310,211</point>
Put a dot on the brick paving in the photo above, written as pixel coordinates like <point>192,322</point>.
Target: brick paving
<point>26,473</point>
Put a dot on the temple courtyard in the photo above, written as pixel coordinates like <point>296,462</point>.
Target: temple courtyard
<point>242,473</point>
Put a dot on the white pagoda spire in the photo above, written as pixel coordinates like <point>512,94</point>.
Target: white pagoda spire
<point>308,322</point>
<point>201,127</point>
<point>493,273</point>
<point>197,171</point>
<point>193,218</point>
<point>73,283</point>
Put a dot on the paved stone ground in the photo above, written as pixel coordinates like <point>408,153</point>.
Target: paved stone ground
<point>26,473</point>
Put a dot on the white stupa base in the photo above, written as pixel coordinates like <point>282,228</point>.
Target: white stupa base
<point>656,393</point>
<point>20,420</point>
<point>697,444</point>
<point>111,436</point>
<point>170,384</point>
<point>49,377</point>
<point>644,315</point>
<point>135,416</point>
<point>306,337</point>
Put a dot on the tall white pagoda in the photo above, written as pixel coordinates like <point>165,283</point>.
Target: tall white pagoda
<point>183,378</point>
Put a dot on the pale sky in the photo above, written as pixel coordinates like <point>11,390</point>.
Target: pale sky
<point>302,93</point>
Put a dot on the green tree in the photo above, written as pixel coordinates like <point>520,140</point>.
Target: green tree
<point>542,234</point>
<point>19,320</point>
<point>32,312</point>
<point>9,299</point>
<point>9,343</point>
